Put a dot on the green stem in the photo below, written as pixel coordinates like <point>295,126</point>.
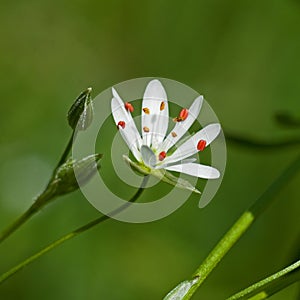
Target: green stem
<point>234,234</point>
<point>32,210</point>
<point>17,223</point>
<point>41,200</point>
<point>72,234</point>
<point>269,285</point>
<point>66,152</point>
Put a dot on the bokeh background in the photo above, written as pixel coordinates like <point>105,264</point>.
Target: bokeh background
<point>242,55</point>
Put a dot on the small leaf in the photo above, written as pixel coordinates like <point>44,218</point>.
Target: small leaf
<point>65,180</point>
<point>80,115</point>
<point>181,290</point>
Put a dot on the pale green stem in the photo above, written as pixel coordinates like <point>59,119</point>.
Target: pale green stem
<point>72,234</point>
<point>40,201</point>
<point>189,287</point>
<point>260,289</point>
<point>66,152</point>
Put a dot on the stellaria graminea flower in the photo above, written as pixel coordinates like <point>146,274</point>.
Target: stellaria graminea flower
<point>151,148</point>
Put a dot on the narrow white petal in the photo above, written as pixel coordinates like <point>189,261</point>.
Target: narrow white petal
<point>130,119</point>
<point>130,133</point>
<point>189,148</point>
<point>148,156</point>
<point>155,114</point>
<point>197,170</point>
<point>164,166</point>
<point>182,127</point>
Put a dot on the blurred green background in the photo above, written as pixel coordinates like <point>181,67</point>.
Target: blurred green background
<point>242,55</point>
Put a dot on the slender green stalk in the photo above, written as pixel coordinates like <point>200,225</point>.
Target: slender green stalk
<point>72,234</point>
<point>32,210</point>
<point>80,113</point>
<point>187,288</point>
<point>267,286</point>
<point>17,223</point>
<point>40,201</point>
<point>66,152</point>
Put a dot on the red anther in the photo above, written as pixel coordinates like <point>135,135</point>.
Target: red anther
<point>201,145</point>
<point>129,107</point>
<point>162,155</point>
<point>183,114</point>
<point>121,124</point>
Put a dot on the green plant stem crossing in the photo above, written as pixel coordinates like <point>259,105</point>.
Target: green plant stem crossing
<point>186,289</point>
<point>72,234</point>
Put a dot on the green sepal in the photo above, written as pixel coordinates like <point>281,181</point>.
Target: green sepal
<point>72,174</point>
<point>161,174</point>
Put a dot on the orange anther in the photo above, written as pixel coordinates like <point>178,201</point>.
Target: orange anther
<point>129,107</point>
<point>146,110</point>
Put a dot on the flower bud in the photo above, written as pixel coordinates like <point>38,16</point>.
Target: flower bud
<point>80,115</point>
<point>74,173</point>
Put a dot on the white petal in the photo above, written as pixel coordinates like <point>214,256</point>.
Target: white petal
<point>187,149</point>
<point>182,127</point>
<point>164,166</point>
<point>196,170</point>
<point>130,133</point>
<point>154,120</point>
<point>129,117</point>
<point>148,156</point>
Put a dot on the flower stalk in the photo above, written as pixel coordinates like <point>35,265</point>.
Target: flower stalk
<point>233,235</point>
<point>270,285</point>
<point>63,181</point>
<point>73,234</point>
<point>79,117</point>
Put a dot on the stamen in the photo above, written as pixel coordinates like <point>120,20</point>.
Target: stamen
<point>162,105</point>
<point>182,115</point>
<point>146,129</point>
<point>121,124</point>
<point>162,155</point>
<point>129,107</point>
<point>146,110</point>
<point>174,134</point>
<point>201,145</point>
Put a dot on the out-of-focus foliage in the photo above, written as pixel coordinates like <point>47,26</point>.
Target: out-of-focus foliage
<point>242,55</point>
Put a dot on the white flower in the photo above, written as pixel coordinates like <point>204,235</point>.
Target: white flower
<point>151,149</point>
